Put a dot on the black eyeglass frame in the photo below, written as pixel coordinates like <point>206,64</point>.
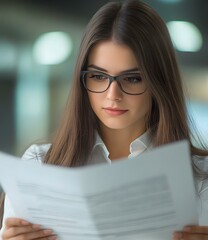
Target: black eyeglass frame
<point>111,79</point>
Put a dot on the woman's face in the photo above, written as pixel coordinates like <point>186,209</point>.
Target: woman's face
<point>114,108</point>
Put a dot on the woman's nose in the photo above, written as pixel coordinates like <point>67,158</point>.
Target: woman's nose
<point>114,93</point>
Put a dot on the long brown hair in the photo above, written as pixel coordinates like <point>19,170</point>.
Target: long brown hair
<point>138,26</point>
<point>135,24</point>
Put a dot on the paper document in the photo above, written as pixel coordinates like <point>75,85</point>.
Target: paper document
<point>147,197</point>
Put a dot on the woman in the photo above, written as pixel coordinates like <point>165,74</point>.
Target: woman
<point>126,98</point>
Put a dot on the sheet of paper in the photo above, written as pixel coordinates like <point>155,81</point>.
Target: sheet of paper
<point>147,197</point>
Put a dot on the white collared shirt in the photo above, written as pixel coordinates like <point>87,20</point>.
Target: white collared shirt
<point>100,153</point>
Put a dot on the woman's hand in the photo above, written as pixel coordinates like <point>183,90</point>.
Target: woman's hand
<point>18,229</point>
<point>192,233</point>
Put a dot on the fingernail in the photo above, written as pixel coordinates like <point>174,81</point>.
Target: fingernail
<point>47,231</point>
<point>36,226</point>
<point>25,222</point>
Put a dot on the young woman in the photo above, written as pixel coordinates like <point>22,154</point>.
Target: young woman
<point>126,98</point>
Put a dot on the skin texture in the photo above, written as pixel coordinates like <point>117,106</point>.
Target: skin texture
<point>128,122</point>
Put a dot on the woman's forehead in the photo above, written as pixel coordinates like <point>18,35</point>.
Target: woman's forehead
<point>112,57</point>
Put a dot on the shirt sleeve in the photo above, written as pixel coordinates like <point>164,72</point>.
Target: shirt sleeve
<point>203,203</point>
<point>34,152</point>
<point>202,191</point>
<point>8,212</point>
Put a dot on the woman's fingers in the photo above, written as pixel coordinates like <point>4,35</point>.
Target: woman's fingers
<point>38,234</point>
<point>189,236</point>
<point>196,229</point>
<point>14,231</point>
<point>17,226</point>
<point>11,222</point>
<point>17,229</point>
<point>192,233</point>
<point>28,233</point>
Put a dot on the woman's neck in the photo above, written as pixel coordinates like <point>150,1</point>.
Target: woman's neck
<point>118,141</point>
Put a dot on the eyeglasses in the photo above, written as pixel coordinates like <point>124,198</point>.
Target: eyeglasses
<point>98,82</point>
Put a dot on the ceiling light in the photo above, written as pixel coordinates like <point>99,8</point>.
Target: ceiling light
<point>186,36</point>
<point>52,48</point>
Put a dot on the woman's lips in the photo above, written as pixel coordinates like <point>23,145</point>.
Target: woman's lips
<point>114,111</point>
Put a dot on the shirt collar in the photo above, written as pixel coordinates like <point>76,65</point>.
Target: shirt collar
<point>138,146</point>
<point>100,144</point>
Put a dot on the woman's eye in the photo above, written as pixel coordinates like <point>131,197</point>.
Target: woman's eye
<point>98,77</point>
<point>133,79</point>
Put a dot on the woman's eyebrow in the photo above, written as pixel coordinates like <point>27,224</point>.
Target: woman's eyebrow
<point>131,70</point>
<point>96,67</point>
<point>104,70</point>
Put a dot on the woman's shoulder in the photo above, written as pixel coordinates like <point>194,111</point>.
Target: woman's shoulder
<point>36,152</point>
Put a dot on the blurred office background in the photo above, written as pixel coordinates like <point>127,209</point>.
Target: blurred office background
<point>39,41</point>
